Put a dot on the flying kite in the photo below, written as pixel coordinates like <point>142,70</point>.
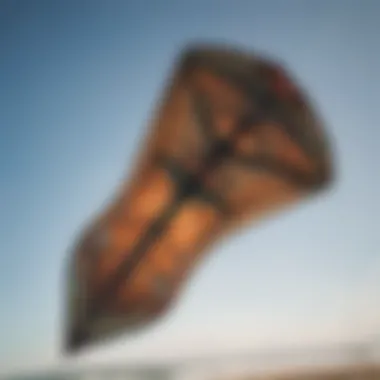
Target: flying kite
<point>234,139</point>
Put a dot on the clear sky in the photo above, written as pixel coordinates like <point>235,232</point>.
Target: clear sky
<point>78,82</point>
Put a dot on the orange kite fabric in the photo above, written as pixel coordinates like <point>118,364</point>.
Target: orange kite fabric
<point>234,138</point>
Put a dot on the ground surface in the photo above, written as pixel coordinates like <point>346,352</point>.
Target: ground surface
<point>352,373</point>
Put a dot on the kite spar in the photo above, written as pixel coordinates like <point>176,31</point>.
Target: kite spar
<point>233,139</point>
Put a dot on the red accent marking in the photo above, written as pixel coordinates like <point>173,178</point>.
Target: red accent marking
<point>283,86</point>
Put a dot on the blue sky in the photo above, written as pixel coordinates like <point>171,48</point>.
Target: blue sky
<point>78,83</point>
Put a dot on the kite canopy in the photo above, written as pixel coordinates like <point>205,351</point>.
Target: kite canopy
<point>233,139</point>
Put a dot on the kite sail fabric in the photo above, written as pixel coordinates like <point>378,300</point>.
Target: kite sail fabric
<point>233,139</point>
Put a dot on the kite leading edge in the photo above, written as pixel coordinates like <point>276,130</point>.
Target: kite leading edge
<point>233,140</point>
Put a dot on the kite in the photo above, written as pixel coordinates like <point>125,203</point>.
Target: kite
<point>233,139</point>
